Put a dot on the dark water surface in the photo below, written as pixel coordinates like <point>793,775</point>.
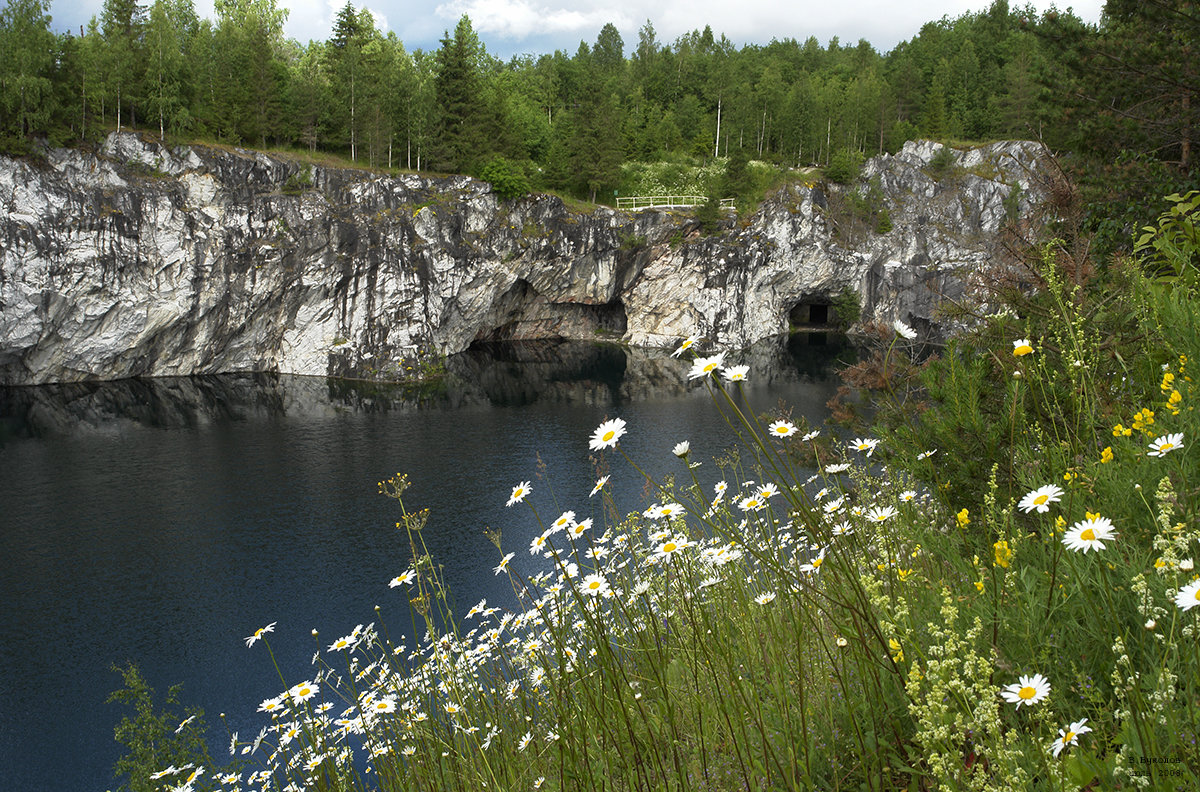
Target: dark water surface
<point>162,521</point>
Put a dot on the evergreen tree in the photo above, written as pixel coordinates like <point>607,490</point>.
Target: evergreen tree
<point>460,139</point>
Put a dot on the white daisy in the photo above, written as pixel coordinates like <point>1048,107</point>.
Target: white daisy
<point>1165,444</point>
<point>765,597</point>
<point>519,492</point>
<point>407,577</point>
<point>1040,499</point>
<point>1188,596</point>
<point>687,344</point>
<point>682,449</point>
<point>702,367</point>
<point>736,373</point>
<point>1089,534</point>
<point>600,482</point>
<point>607,434</point>
<point>1027,691</point>
<point>782,428</point>
<point>903,330</point>
<point>865,444</point>
<point>1069,736</point>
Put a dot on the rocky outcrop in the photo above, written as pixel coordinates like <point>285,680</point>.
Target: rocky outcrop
<point>146,260</point>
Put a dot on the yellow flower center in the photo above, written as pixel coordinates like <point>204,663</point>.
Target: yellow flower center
<point>608,435</point>
<point>1027,692</point>
<point>595,584</point>
<point>1166,446</point>
<point>1088,535</point>
<point>669,547</point>
<point>1041,499</point>
<point>1068,737</point>
<point>817,562</point>
<point>781,429</point>
<point>1198,595</point>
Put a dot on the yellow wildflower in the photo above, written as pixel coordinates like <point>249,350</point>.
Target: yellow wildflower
<point>1002,553</point>
<point>1060,523</point>
<point>1069,475</point>
<point>1167,382</point>
<point>897,651</point>
<point>964,518</point>
<point>1121,431</point>
<point>1159,564</point>
<point>979,585</point>
<point>1106,455</point>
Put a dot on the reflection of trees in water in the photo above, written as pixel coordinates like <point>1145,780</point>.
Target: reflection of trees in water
<point>497,374</point>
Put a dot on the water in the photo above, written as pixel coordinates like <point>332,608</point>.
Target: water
<point>161,522</point>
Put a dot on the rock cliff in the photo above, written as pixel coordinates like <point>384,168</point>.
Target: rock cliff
<point>147,260</point>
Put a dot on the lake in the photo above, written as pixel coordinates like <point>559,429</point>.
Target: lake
<point>162,521</point>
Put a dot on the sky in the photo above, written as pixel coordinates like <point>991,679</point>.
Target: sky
<point>516,27</point>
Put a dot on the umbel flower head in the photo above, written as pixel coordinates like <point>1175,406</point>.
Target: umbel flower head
<point>1028,690</point>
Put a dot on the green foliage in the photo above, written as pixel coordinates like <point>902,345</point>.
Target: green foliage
<point>845,166</point>
<point>708,214</point>
<point>507,178</point>
<point>1172,247</point>
<point>847,307</point>
<point>155,737</point>
<point>298,182</point>
<point>942,163</point>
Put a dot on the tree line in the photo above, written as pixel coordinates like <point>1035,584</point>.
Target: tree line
<point>568,121</point>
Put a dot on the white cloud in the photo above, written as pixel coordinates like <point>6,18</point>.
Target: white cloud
<point>517,19</point>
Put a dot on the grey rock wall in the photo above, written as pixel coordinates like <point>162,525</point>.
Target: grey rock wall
<point>147,260</point>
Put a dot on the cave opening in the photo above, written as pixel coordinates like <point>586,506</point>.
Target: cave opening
<point>523,314</point>
<point>810,313</point>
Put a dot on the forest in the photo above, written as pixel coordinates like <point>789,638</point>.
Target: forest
<point>1117,98</point>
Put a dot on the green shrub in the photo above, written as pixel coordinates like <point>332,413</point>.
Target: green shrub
<point>941,164</point>
<point>845,166</point>
<point>298,182</point>
<point>507,178</point>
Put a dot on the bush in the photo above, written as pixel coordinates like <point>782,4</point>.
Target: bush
<point>942,163</point>
<point>845,166</point>
<point>298,182</point>
<point>507,178</point>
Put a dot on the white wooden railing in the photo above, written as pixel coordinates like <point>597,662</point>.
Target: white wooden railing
<point>634,204</point>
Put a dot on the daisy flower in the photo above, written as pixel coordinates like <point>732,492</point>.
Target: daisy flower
<point>519,492</point>
<point>538,544</point>
<point>600,482</point>
<point>524,743</point>
<point>1040,499</point>
<point>1022,347</point>
<point>682,449</point>
<point>564,521</point>
<point>303,691</point>
<point>1027,691</point>
<point>814,565</point>
<point>657,512</point>
<point>752,503</point>
<point>1089,534</point>
<point>702,367</point>
<point>607,434</point>
<point>782,428</point>
<point>765,597</point>
<point>908,496</point>
<point>842,529</point>
<point>1165,444</point>
<point>810,436</point>
<point>720,488</point>
<point>768,490</point>
<point>926,454</point>
<point>881,514</point>
<point>865,444</point>
<point>1069,736</point>
<point>668,548</point>
<point>903,330</point>
<point>259,633</point>
<point>840,467</point>
<point>687,344</point>
<point>408,577</point>
<point>578,528</point>
<point>736,373</point>
<point>503,564</point>
<point>595,585</point>
<point>1188,597</point>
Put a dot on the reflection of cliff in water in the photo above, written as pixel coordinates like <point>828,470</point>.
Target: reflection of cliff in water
<point>499,374</point>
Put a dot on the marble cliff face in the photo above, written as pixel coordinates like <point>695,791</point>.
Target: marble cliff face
<point>147,260</point>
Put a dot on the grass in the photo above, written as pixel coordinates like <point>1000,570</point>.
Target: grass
<point>994,589</point>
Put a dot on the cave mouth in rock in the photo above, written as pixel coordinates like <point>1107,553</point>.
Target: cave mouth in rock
<point>523,314</point>
<point>811,313</point>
